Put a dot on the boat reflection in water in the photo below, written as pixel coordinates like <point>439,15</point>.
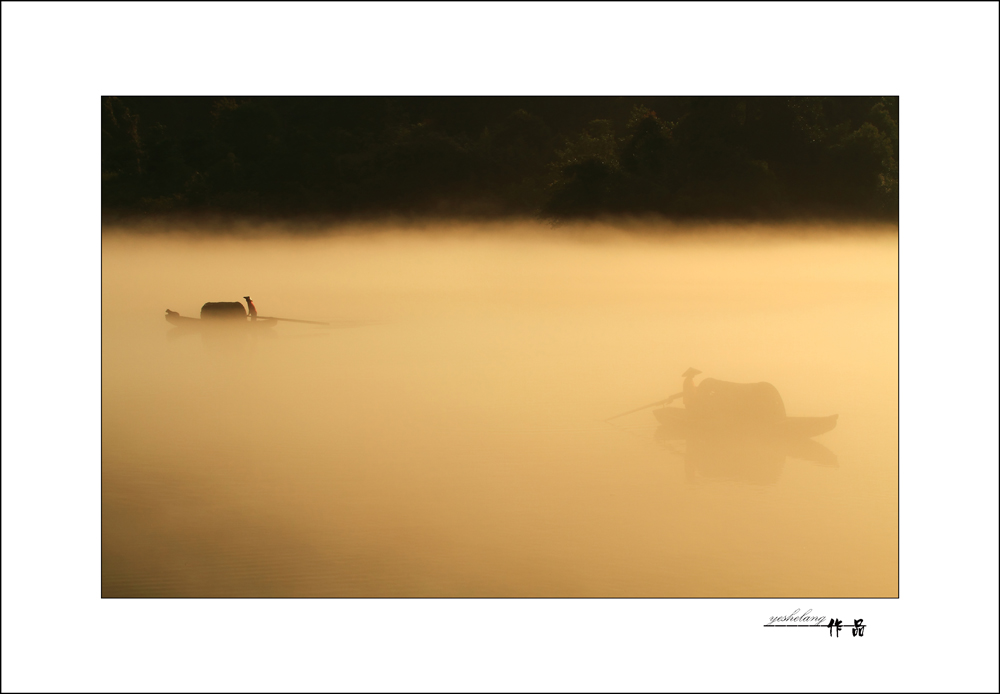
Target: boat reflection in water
<point>223,325</point>
<point>740,455</point>
<point>737,430</point>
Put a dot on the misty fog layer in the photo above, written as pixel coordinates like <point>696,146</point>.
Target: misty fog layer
<point>445,435</point>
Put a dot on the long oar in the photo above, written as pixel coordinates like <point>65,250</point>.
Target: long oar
<point>292,320</point>
<point>652,404</point>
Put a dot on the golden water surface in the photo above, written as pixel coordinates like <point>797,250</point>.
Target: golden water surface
<point>445,435</point>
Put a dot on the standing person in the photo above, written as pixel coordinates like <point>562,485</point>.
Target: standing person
<point>690,392</point>
<point>252,308</point>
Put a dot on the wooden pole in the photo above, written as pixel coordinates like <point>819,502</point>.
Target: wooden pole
<point>292,320</point>
<point>652,404</point>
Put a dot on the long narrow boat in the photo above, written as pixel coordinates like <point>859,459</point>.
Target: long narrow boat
<point>227,323</point>
<point>682,421</point>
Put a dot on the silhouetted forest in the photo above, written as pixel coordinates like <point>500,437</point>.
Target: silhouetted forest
<point>558,158</point>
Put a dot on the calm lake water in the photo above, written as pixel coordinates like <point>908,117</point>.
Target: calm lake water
<point>446,434</point>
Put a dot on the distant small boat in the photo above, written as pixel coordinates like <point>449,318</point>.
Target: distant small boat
<point>720,408</point>
<point>715,407</point>
<point>682,421</point>
<point>224,315</point>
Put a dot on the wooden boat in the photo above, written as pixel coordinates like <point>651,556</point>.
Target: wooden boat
<point>683,422</point>
<point>737,430</point>
<point>218,323</point>
<point>721,408</point>
<point>219,316</point>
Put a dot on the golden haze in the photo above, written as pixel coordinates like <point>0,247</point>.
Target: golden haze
<point>445,435</point>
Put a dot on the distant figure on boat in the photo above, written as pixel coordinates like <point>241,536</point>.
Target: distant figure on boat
<point>253,309</point>
<point>689,389</point>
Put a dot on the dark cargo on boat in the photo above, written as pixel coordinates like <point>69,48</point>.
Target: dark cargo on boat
<point>228,310</point>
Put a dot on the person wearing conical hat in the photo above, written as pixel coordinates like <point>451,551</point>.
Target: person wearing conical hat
<point>689,389</point>
<point>252,308</point>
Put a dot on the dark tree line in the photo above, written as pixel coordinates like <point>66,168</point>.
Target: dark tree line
<point>558,157</point>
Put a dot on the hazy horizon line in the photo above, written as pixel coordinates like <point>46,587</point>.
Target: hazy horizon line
<point>323,225</point>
